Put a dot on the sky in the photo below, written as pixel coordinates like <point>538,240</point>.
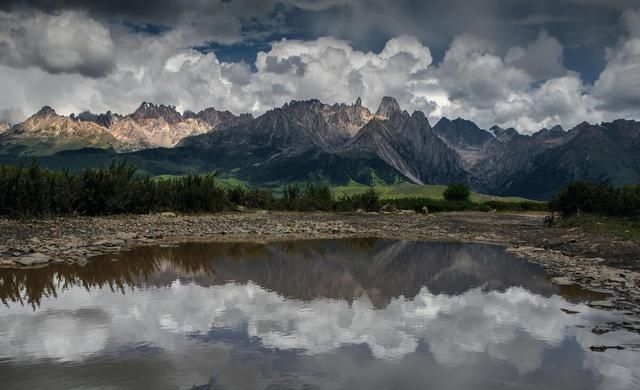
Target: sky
<point>513,63</point>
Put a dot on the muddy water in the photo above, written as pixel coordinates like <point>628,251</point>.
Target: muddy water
<point>340,314</point>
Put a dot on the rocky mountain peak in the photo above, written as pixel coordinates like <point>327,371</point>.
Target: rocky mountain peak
<point>45,111</point>
<point>444,121</point>
<point>388,107</point>
<point>153,111</point>
<point>104,120</point>
<point>420,116</point>
<point>504,135</point>
<point>461,133</point>
<point>546,135</point>
<point>218,119</point>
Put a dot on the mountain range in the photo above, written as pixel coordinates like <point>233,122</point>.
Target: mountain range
<point>340,143</point>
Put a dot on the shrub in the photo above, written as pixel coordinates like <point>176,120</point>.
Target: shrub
<point>258,198</point>
<point>367,201</point>
<point>198,193</point>
<point>599,199</point>
<point>237,194</point>
<point>457,192</point>
<point>313,197</point>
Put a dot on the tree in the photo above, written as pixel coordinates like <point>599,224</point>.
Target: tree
<point>457,192</point>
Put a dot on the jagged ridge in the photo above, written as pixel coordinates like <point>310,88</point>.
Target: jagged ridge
<point>310,140</point>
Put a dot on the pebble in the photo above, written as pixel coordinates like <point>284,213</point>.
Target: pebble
<point>607,303</point>
<point>563,281</point>
<point>32,259</point>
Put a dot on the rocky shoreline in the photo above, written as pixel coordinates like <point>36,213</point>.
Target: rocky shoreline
<point>570,256</point>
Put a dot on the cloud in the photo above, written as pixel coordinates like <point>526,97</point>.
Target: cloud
<point>11,115</point>
<point>513,330</point>
<point>475,76</point>
<point>73,61</point>
<point>284,65</point>
<point>475,82</point>
<point>222,21</point>
<point>65,42</point>
<point>618,87</point>
<point>541,59</point>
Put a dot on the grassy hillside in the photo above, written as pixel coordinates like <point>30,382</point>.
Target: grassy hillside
<point>408,190</point>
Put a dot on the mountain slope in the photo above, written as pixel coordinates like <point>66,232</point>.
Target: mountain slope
<point>46,132</point>
<point>472,143</point>
<point>299,141</point>
<point>149,126</point>
<point>609,153</point>
<point>407,143</point>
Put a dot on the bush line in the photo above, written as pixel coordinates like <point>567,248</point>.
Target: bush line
<point>33,191</point>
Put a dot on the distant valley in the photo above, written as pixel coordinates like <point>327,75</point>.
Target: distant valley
<point>339,143</point>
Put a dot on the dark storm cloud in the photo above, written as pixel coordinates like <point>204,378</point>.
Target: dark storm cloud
<point>370,23</point>
<point>61,43</point>
<point>167,11</point>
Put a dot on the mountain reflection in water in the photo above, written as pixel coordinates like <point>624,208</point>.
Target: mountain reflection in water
<point>360,313</point>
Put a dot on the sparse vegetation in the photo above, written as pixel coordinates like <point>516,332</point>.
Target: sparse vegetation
<point>443,205</point>
<point>600,208</point>
<point>409,190</point>
<point>624,228</point>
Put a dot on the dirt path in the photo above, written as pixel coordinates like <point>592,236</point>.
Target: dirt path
<point>572,255</point>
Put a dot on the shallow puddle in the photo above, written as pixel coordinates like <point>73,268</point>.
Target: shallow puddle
<point>334,314</point>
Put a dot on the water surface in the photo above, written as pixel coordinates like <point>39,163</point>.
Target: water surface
<point>335,314</point>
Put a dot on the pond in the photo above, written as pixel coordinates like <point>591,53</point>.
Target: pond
<point>326,314</point>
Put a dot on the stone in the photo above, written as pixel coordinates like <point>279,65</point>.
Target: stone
<point>126,235</point>
<point>598,330</point>
<point>240,208</point>
<point>604,303</point>
<point>388,208</point>
<point>603,348</point>
<point>167,214</point>
<point>32,258</point>
<point>562,281</point>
